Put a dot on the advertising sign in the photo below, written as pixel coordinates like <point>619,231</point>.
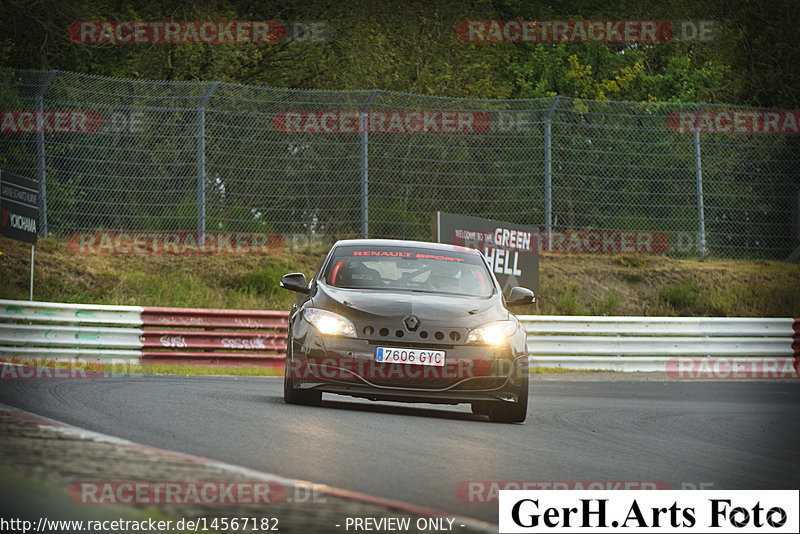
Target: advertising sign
<point>19,207</point>
<point>511,249</point>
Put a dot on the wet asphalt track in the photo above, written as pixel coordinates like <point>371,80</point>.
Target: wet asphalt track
<point>724,435</point>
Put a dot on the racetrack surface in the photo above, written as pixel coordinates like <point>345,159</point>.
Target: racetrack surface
<point>721,435</point>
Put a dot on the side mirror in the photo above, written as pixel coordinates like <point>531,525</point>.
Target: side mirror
<point>294,282</point>
<point>520,296</point>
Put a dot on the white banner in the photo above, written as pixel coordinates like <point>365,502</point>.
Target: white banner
<point>641,511</point>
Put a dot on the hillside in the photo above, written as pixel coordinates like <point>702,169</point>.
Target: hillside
<point>570,285</point>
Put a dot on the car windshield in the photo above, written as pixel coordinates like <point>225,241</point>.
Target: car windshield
<point>409,269</point>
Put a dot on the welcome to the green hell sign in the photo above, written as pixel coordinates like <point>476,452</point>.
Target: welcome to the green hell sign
<point>503,257</point>
<point>511,250</point>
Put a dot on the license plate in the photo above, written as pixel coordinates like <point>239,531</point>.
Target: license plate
<point>410,356</point>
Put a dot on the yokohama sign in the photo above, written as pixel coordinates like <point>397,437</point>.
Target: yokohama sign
<point>399,121</point>
<point>19,207</point>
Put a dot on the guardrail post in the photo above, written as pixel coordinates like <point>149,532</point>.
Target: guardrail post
<point>40,160</point>
<point>548,175</point>
<point>201,164</point>
<point>364,126</point>
<point>698,171</point>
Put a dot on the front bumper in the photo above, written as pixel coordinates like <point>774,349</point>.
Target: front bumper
<point>348,366</point>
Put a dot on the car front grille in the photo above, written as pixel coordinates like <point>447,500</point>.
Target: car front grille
<point>396,332</point>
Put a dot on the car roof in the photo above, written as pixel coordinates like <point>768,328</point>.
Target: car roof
<point>405,243</point>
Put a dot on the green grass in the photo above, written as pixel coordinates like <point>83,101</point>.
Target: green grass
<point>170,369</point>
<point>544,370</point>
<point>164,369</point>
<point>608,305</point>
<point>235,282</point>
<point>262,280</point>
<point>569,285</point>
<point>635,261</point>
<point>568,302</point>
<point>635,277</point>
<point>680,295</point>
<point>136,367</point>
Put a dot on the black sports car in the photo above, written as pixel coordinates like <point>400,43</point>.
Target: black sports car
<point>407,321</point>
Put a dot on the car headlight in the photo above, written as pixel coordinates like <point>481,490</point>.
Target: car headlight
<point>329,323</point>
<point>493,333</point>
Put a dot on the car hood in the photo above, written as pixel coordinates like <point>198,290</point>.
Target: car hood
<point>433,308</point>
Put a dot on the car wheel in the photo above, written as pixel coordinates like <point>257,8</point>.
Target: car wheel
<point>291,395</point>
<point>508,412</point>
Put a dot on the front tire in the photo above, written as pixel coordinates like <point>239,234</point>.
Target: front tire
<point>508,412</point>
<point>292,395</point>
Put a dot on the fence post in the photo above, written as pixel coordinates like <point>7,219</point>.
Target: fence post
<point>40,161</point>
<point>548,175</point>
<point>364,126</point>
<point>201,164</point>
<point>698,171</point>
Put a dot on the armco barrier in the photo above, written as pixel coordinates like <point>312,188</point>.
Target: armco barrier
<point>154,335</point>
<point>256,337</point>
<point>230,337</point>
<point>649,343</point>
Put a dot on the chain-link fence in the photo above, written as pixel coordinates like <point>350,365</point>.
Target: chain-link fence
<point>134,155</point>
